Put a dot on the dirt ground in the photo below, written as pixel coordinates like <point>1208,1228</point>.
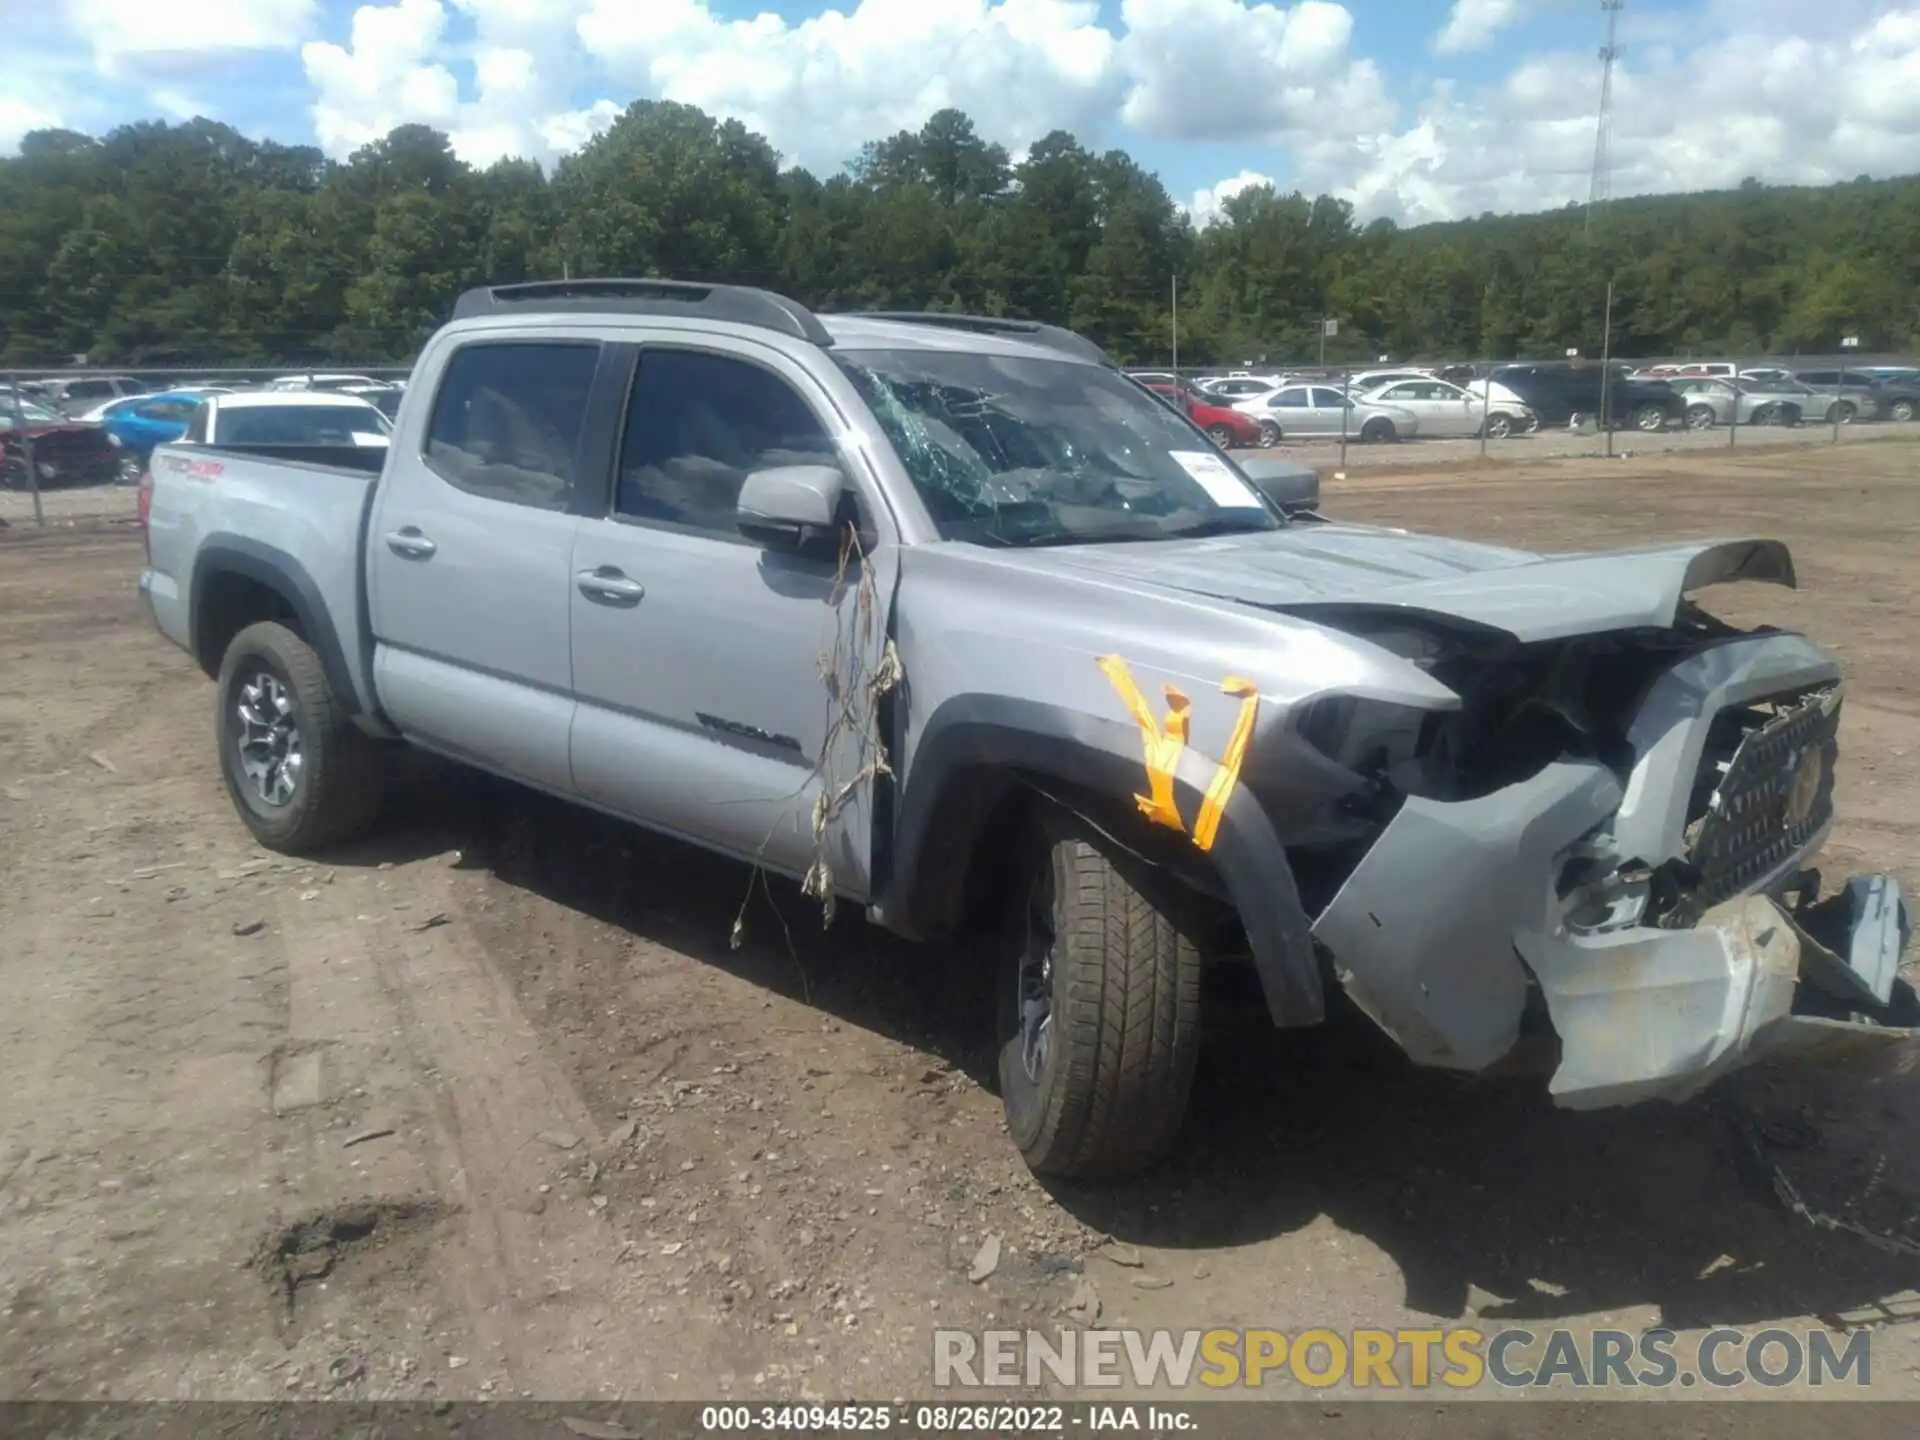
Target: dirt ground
<point>488,1106</point>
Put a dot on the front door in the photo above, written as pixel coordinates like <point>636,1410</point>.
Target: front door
<point>468,557</point>
<point>706,667</point>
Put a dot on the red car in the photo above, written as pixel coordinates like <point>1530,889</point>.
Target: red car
<point>65,452</point>
<point>1228,429</point>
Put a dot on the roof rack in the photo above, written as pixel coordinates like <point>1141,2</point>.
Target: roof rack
<point>1053,337</point>
<point>737,304</point>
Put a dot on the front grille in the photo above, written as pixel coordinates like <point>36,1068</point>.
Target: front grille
<point>1769,773</point>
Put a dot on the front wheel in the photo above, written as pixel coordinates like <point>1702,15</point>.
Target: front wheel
<point>1499,427</point>
<point>1099,1007</point>
<point>1379,431</point>
<point>1650,417</point>
<point>1699,417</point>
<point>1844,413</point>
<point>1221,435</point>
<point>1902,410</point>
<point>1270,435</point>
<point>299,772</point>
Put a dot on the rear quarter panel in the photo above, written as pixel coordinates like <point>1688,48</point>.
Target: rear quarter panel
<point>302,523</point>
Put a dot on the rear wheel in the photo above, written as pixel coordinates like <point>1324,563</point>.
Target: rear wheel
<point>1099,1007</point>
<point>1902,410</point>
<point>1700,417</point>
<point>1650,417</point>
<point>1221,435</point>
<point>1379,431</point>
<point>300,773</point>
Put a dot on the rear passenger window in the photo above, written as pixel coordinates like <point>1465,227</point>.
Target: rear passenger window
<point>697,426</point>
<point>506,422</point>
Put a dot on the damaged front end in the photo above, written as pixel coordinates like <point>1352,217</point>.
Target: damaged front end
<point>1609,840</point>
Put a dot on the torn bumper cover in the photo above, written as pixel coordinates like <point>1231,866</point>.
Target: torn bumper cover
<point>1461,916</point>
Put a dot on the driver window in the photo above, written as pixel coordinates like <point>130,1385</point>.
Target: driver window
<point>697,425</point>
<point>1291,400</point>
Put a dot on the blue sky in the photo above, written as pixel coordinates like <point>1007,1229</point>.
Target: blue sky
<point>1419,109</point>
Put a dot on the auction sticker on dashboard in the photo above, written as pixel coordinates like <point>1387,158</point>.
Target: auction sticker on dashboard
<point>1215,477</point>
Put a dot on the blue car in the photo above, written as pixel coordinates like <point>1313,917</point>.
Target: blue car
<point>140,422</point>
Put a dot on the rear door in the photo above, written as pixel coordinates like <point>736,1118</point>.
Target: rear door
<point>700,659</point>
<point>1326,410</point>
<point>469,552</point>
<point>1441,409</point>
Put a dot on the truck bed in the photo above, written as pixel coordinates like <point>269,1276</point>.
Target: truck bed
<point>289,510</point>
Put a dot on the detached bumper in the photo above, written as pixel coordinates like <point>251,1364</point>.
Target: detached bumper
<point>1465,917</point>
<point>1661,1014</point>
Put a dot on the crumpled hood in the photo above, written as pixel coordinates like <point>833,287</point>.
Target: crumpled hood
<point>1305,568</point>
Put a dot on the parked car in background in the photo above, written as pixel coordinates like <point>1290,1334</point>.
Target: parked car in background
<point>1713,401</point>
<point>81,393</point>
<point>1560,392</point>
<point>1899,398</point>
<point>1322,410</point>
<point>1857,394</point>
<point>65,452</point>
<point>321,380</point>
<point>1228,389</point>
<point>141,422</point>
<point>1766,372</point>
<point>100,413</point>
<point>384,398</point>
<point>1362,381</point>
<point>1225,426</point>
<point>1446,410</point>
<point>290,418</point>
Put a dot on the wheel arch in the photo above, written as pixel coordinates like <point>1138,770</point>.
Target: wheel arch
<point>239,582</point>
<point>981,760</point>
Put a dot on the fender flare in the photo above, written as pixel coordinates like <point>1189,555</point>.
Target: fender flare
<point>224,554</point>
<point>1064,752</point>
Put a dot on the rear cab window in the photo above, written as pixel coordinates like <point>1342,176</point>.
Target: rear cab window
<point>508,416</point>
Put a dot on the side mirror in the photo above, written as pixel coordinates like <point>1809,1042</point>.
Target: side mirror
<point>1294,488</point>
<point>790,506</point>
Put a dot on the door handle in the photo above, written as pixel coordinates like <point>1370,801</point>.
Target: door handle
<point>409,543</point>
<point>607,583</point>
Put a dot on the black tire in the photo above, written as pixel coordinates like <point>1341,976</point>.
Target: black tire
<point>1270,434</point>
<point>337,789</point>
<point>1107,1094</point>
<point>1700,417</point>
<point>1649,417</point>
<point>1845,413</point>
<point>1499,425</point>
<point>1902,410</point>
<point>1379,431</point>
<point>1221,435</point>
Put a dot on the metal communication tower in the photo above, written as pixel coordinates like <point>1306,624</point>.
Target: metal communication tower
<point>1600,185</point>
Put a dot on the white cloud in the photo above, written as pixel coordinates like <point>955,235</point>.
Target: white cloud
<point>1222,69</point>
<point>1837,97</point>
<point>821,87</point>
<point>1472,24</point>
<point>397,68</point>
<point>1208,204</point>
<point>18,115</point>
<point>163,37</point>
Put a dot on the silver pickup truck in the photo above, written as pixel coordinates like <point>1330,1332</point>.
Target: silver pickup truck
<point>947,617</point>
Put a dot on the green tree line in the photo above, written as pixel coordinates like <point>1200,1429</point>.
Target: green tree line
<point>192,244</point>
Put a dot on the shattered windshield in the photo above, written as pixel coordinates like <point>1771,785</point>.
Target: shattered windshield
<point>1047,452</point>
